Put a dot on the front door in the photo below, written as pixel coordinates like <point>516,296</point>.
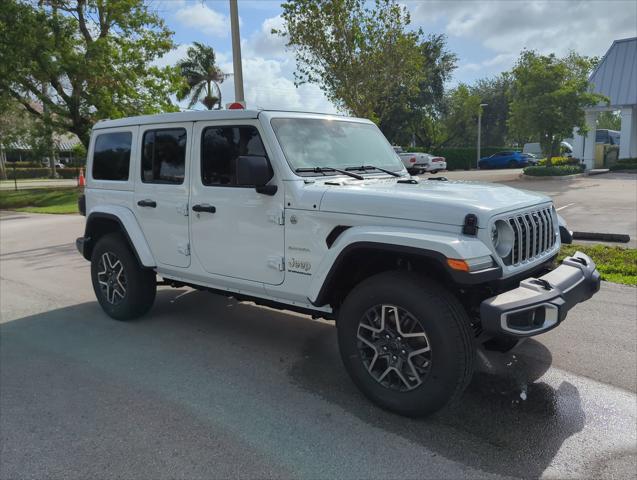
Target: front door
<point>235,231</point>
<point>161,191</point>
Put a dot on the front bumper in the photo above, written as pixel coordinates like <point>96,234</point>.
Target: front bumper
<point>540,304</point>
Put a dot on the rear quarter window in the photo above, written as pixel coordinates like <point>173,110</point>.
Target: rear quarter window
<point>111,156</point>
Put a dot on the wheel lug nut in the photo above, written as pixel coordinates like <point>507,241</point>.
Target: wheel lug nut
<point>394,357</point>
<point>385,348</point>
<point>403,352</point>
<point>387,336</point>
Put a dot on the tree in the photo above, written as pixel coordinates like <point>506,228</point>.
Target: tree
<point>84,60</point>
<point>548,97</point>
<point>362,57</point>
<point>200,73</point>
<point>414,117</point>
<point>495,93</point>
<point>609,120</point>
<point>458,127</point>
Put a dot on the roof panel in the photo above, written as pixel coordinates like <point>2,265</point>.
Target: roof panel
<point>616,74</point>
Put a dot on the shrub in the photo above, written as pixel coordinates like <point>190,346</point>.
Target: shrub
<point>68,172</point>
<point>553,171</point>
<point>561,161</point>
<point>25,165</point>
<point>41,172</point>
<point>625,164</point>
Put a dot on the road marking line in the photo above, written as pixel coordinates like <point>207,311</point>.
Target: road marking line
<point>565,206</point>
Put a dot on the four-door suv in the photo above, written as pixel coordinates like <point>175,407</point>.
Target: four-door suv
<point>316,214</point>
<point>505,160</point>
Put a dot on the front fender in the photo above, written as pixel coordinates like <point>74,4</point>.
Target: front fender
<point>436,245</point>
<point>130,228</point>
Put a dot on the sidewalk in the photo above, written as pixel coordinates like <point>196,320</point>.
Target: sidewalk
<point>38,183</point>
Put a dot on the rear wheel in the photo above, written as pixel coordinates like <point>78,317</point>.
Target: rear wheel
<point>124,289</point>
<point>406,343</point>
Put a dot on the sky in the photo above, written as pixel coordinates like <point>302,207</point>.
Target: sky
<point>487,37</point>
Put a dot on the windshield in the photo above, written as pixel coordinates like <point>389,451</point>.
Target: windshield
<point>316,142</point>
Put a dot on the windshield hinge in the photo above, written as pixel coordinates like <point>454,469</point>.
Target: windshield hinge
<point>278,217</point>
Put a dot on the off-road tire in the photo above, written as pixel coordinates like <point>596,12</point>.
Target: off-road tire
<point>140,283</point>
<point>447,327</point>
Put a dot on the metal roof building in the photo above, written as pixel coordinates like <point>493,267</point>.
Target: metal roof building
<point>616,78</point>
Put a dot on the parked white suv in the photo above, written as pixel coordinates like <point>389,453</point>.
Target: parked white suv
<point>316,214</point>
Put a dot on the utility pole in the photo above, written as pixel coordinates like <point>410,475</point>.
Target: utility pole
<point>236,52</point>
<point>479,132</point>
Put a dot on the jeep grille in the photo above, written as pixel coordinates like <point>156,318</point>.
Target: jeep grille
<point>534,234</point>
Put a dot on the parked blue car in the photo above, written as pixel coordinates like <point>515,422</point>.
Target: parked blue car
<point>506,160</point>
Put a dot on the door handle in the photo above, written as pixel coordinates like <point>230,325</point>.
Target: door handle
<point>203,207</point>
<point>147,203</point>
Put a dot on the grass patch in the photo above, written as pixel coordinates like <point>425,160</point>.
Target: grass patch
<point>40,200</point>
<point>615,264</point>
<point>554,171</point>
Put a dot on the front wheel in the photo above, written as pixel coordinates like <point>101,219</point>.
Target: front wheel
<point>406,343</point>
<point>124,289</point>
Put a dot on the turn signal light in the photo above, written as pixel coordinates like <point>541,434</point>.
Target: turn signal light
<point>458,264</point>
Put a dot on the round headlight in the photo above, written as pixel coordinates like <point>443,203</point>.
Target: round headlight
<point>502,237</point>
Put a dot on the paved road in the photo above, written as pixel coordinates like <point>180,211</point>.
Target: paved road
<point>206,387</point>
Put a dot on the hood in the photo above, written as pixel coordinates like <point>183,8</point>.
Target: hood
<point>446,202</point>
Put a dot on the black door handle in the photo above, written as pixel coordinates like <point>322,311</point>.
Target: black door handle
<point>147,203</point>
<point>204,207</point>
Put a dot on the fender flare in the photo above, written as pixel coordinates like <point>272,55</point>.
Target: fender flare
<point>436,246</point>
<point>129,227</point>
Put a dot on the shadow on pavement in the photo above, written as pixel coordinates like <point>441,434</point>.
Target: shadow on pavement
<point>194,342</point>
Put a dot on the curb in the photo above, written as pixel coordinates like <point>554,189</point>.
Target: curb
<point>552,177</point>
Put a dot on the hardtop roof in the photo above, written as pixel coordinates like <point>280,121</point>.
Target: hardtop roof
<point>195,116</point>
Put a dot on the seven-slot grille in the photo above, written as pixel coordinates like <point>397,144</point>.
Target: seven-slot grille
<point>534,234</point>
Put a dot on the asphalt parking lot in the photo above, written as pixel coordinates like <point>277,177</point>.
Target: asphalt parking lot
<point>204,387</point>
<point>598,203</point>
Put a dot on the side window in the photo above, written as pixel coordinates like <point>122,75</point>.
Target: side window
<point>221,148</point>
<point>164,156</point>
<point>111,156</point>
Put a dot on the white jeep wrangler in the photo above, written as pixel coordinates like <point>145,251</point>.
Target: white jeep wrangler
<point>316,214</point>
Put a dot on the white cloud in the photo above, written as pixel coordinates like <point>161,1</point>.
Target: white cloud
<point>204,19</point>
<point>263,42</point>
<point>173,56</point>
<point>588,27</point>
<point>267,85</point>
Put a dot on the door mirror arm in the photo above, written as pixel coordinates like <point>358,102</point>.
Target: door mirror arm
<point>266,189</point>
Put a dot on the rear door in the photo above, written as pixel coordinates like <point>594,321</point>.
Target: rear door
<point>161,191</point>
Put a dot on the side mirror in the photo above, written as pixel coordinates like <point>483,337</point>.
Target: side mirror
<point>255,170</point>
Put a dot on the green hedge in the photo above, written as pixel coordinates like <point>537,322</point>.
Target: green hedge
<point>41,172</point>
<point>460,158</point>
<point>554,171</point>
<point>19,173</point>
<point>625,164</point>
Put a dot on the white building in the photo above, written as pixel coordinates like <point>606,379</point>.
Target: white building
<point>616,78</point>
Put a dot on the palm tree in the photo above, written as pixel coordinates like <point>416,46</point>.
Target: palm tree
<point>201,73</point>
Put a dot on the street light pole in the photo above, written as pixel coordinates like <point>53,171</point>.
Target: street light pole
<point>479,132</point>
<point>236,52</point>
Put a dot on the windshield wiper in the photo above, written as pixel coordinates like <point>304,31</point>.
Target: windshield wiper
<point>329,169</point>
<point>372,167</point>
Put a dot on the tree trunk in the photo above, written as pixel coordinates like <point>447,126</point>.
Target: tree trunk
<point>3,164</point>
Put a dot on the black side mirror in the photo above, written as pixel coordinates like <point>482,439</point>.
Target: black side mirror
<point>255,171</point>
